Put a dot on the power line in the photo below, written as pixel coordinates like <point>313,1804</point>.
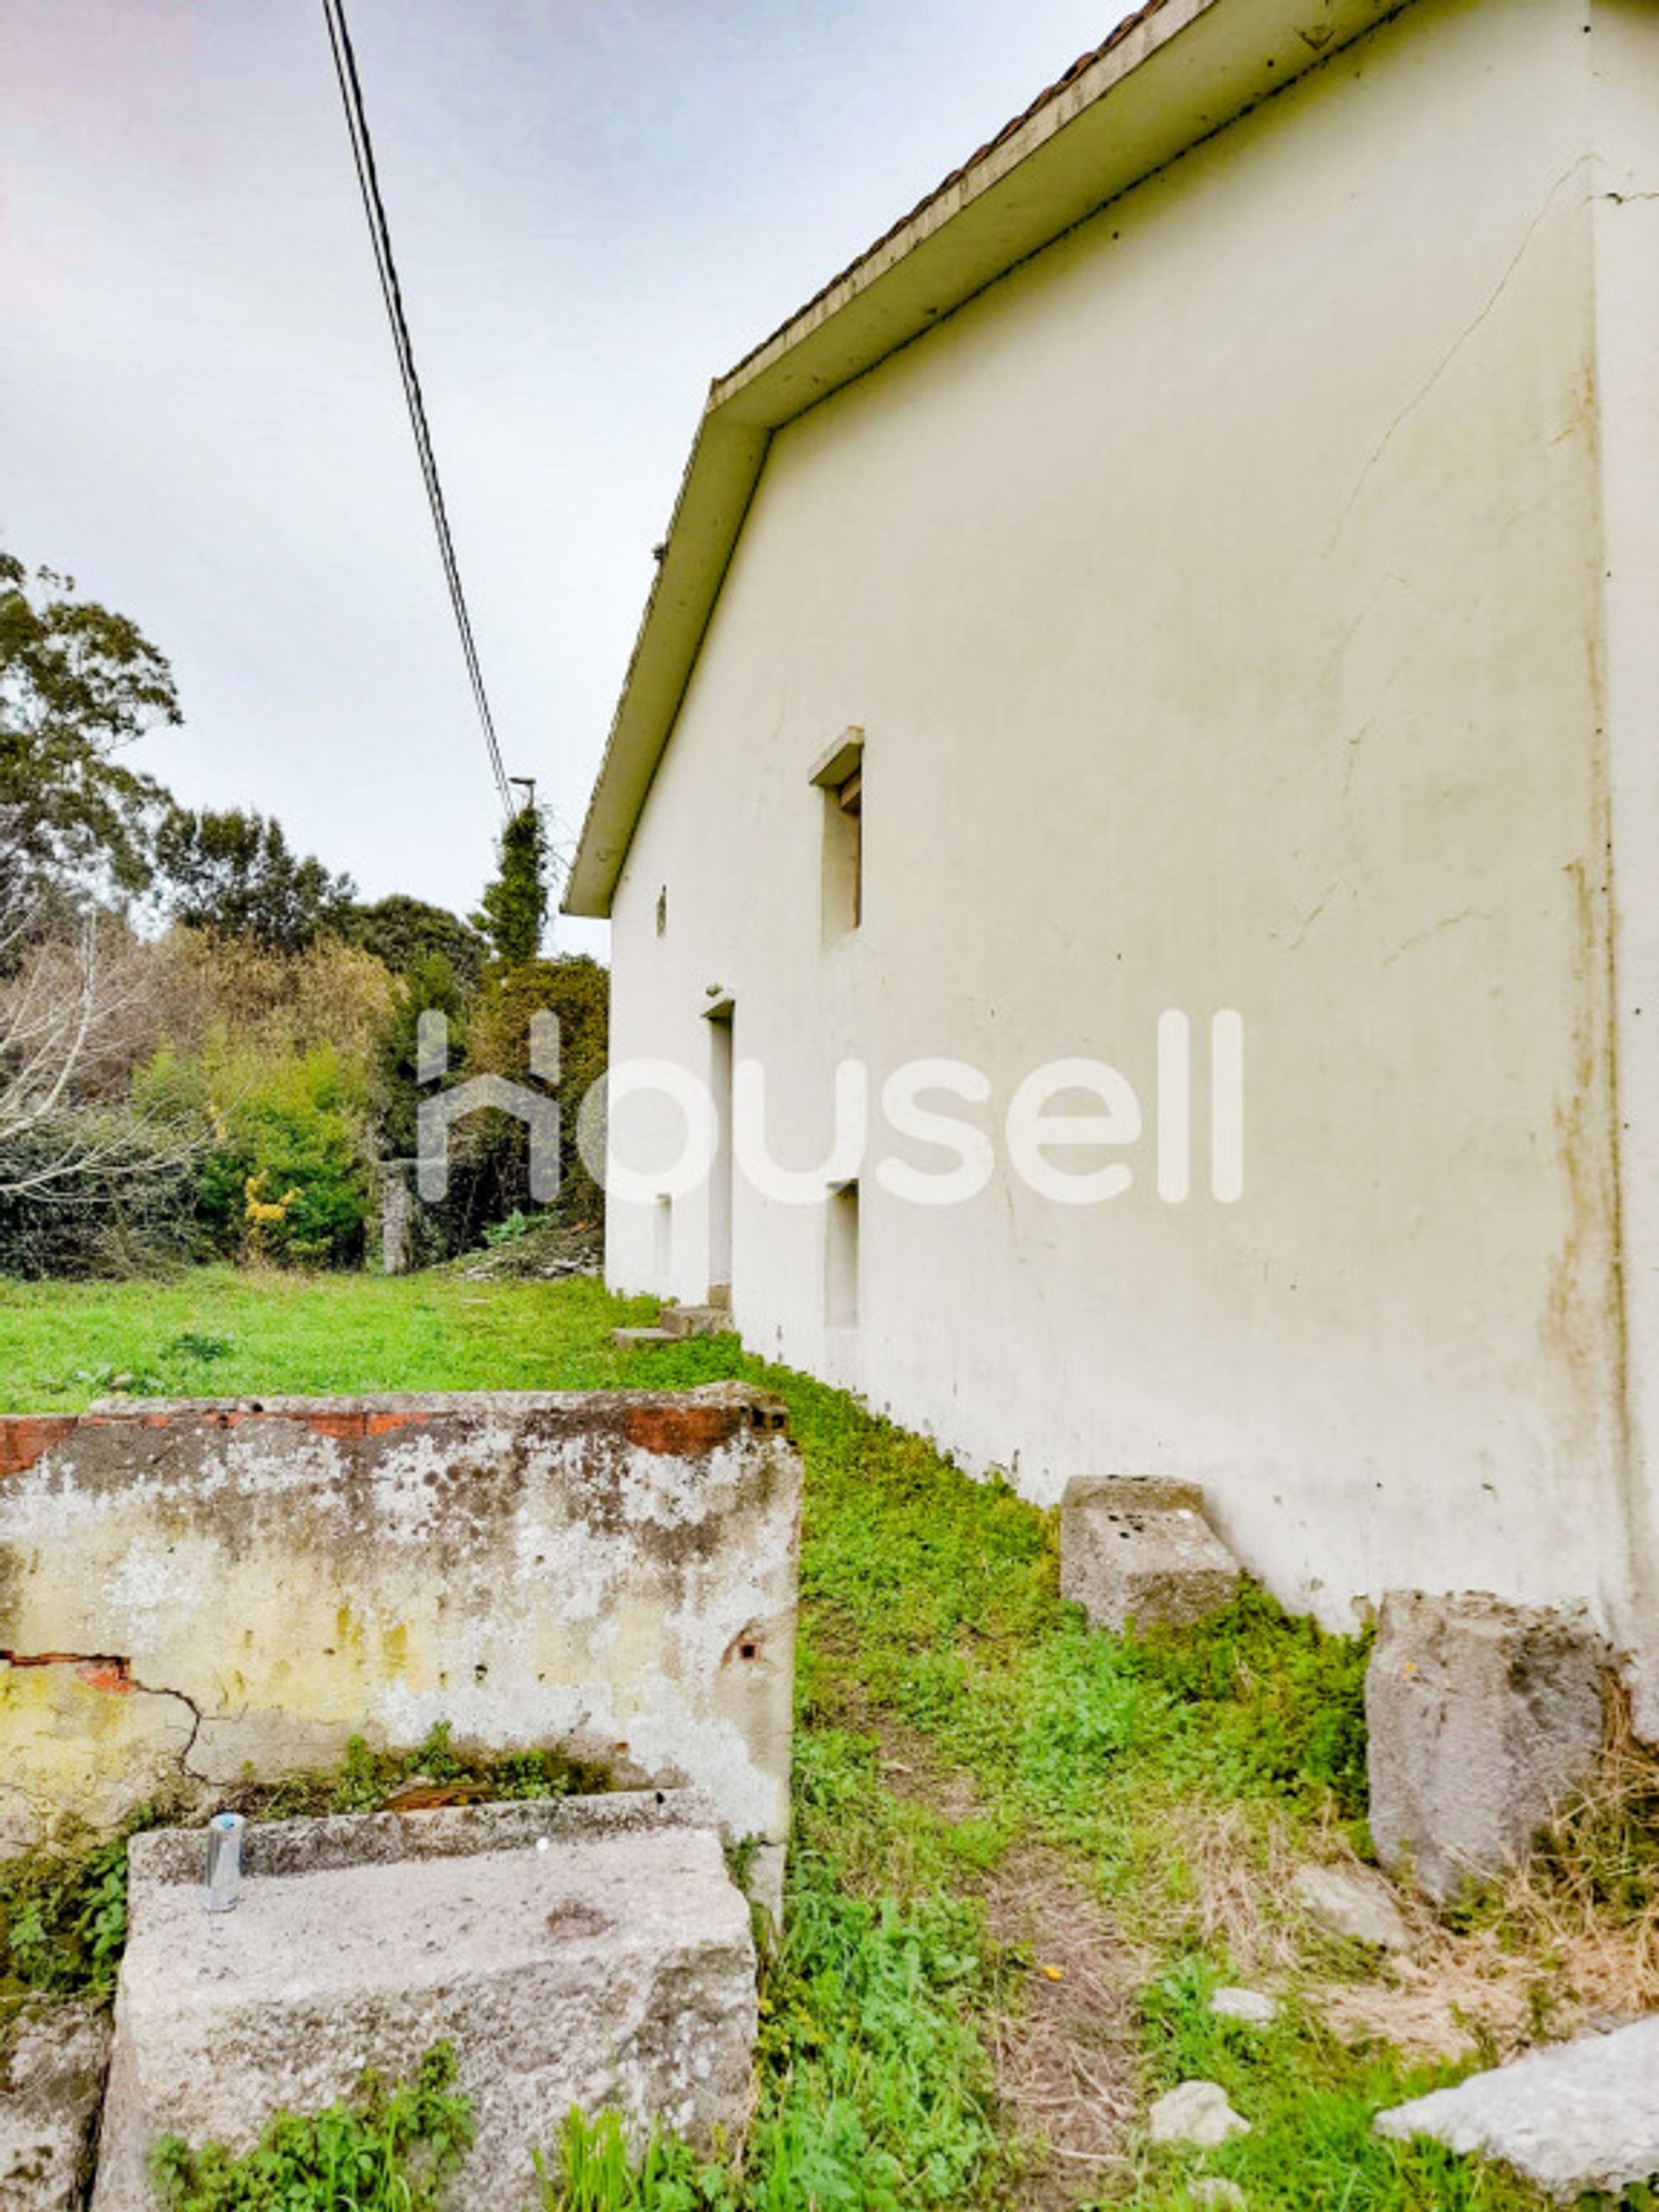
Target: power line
<point>357,124</point>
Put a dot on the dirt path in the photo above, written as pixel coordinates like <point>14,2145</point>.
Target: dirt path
<point>1061,2035</point>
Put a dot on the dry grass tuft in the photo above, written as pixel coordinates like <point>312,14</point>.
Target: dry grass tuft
<point>1569,1941</point>
<point>1235,1862</point>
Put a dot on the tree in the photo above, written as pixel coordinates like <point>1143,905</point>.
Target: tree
<point>81,1169</point>
<point>78,685</point>
<point>430,985</point>
<point>234,876</point>
<point>577,989</point>
<point>402,932</point>
<point>514,907</point>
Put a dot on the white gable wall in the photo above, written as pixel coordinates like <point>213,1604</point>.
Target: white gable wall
<point>1219,594</point>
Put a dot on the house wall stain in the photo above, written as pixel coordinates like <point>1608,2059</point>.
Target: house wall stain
<point>1278,691</point>
<point>194,1591</point>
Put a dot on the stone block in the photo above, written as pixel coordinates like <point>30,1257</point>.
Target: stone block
<point>1481,1718</point>
<point>1196,2113</point>
<point>592,1953</point>
<point>1574,2119</point>
<point>51,2066</point>
<point>1135,1549</point>
<point>1357,1906</point>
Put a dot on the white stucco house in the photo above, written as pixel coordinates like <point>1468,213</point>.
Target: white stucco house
<point>1190,594</point>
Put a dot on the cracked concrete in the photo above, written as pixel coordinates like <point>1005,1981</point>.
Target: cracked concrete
<point>1457,344</point>
<point>190,1592</point>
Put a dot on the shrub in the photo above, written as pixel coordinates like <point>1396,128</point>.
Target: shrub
<point>215,988</point>
<point>286,1175</point>
<point>96,1192</point>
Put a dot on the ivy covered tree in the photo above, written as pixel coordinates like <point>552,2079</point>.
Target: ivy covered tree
<point>576,989</point>
<point>234,875</point>
<point>514,908</point>
<point>430,985</point>
<point>79,685</point>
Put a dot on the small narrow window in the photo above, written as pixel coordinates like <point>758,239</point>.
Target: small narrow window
<point>662,912</point>
<point>840,777</point>
<point>840,1258</point>
<point>849,802</point>
<point>663,1243</point>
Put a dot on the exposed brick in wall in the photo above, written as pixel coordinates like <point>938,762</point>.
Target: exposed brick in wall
<point>256,1581</point>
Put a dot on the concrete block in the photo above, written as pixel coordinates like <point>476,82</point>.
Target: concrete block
<point>192,1591</point>
<point>1577,2118</point>
<point>592,1953</point>
<point>641,1339</point>
<point>1481,1718</point>
<point>52,2062</point>
<point>1135,1549</point>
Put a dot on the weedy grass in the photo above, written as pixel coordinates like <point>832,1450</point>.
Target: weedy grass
<point>389,2149</point>
<point>956,1719</point>
<point>63,1923</point>
<point>594,2171</point>
<point>367,1780</point>
<point>63,1912</point>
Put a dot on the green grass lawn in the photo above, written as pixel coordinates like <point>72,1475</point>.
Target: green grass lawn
<point>226,1332</point>
<point>969,1756</point>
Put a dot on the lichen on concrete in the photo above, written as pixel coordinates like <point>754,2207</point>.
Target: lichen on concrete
<point>192,1590</point>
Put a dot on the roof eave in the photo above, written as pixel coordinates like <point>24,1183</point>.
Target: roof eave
<point>1182,72</point>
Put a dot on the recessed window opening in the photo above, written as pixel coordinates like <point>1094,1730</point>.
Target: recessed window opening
<point>662,912</point>
<point>663,1244</point>
<point>720,1018</point>
<point>840,777</point>
<point>841,1269</point>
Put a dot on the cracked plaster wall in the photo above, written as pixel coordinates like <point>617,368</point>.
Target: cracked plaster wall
<point>189,1595</point>
<point>1220,598</point>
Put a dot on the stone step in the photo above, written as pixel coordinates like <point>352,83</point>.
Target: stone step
<point>639,1339</point>
<point>589,1953</point>
<point>683,1321</point>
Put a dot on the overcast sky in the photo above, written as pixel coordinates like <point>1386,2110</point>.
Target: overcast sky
<point>596,208</point>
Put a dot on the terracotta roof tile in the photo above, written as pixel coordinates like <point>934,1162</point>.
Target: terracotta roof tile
<point>1083,62</point>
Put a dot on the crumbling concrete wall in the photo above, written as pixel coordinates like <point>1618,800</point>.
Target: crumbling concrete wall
<point>194,1592</point>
